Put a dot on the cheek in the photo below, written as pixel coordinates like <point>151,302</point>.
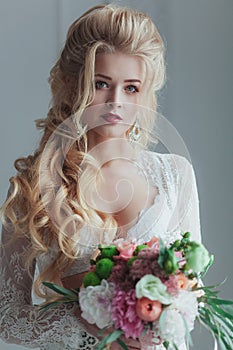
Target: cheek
<point>99,97</point>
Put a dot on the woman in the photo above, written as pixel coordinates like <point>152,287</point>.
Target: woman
<point>92,179</point>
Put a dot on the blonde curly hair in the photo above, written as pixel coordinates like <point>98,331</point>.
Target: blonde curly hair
<point>45,201</point>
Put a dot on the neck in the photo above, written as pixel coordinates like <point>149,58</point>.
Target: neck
<point>112,151</point>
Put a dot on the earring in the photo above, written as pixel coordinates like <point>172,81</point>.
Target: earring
<point>77,131</point>
<point>135,134</point>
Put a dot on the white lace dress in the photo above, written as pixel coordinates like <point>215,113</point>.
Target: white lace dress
<point>175,209</point>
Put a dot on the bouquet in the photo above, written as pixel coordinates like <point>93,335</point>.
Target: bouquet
<point>151,292</point>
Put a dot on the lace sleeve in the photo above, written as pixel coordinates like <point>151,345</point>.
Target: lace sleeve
<point>20,321</point>
<point>186,215</point>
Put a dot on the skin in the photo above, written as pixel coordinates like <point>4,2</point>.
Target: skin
<point>119,83</point>
<point>120,87</point>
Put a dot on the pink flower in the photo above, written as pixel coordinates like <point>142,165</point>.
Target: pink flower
<point>124,313</point>
<point>172,285</point>
<point>154,243</point>
<point>177,282</point>
<point>125,248</point>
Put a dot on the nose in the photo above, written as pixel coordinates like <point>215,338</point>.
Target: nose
<point>114,98</point>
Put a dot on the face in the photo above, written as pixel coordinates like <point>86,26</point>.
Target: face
<point>119,81</point>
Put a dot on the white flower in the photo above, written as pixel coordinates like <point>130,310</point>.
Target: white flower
<point>95,303</point>
<point>152,288</point>
<point>178,317</point>
<point>171,326</point>
<point>186,303</point>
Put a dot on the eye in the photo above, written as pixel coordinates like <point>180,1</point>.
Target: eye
<point>132,89</point>
<point>100,85</point>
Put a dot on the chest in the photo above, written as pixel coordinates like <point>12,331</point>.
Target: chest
<point>124,192</point>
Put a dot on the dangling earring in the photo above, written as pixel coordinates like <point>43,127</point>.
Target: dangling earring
<point>78,133</point>
<point>135,134</point>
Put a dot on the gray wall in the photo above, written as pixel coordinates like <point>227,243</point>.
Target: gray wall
<point>197,99</point>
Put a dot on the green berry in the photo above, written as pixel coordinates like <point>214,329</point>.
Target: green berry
<point>109,252</point>
<point>139,248</point>
<point>104,268</point>
<point>187,235</point>
<point>177,243</point>
<point>91,279</point>
<point>131,260</point>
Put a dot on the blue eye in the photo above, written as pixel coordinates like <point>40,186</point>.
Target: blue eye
<point>100,84</point>
<point>132,89</point>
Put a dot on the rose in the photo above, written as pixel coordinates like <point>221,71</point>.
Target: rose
<point>182,281</point>
<point>197,257</point>
<point>125,248</point>
<point>152,288</point>
<point>154,243</point>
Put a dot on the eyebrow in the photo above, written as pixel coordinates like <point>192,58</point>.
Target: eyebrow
<point>126,80</point>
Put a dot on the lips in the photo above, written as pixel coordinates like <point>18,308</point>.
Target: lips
<point>112,118</point>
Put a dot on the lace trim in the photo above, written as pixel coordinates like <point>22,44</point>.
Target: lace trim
<point>22,323</point>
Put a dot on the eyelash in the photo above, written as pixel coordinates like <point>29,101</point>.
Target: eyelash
<point>99,82</point>
<point>135,89</point>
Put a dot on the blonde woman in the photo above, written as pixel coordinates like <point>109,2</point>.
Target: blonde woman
<point>92,179</point>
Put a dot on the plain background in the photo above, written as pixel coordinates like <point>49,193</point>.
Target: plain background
<point>197,99</point>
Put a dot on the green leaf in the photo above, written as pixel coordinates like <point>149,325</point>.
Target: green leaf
<point>46,307</point>
<point>103,342</point>
<point>210,263</point>
<point>218,326</point>
<point>114,336</point>
<point>101,332</point>
<point>162,251</point>
<point>222,312</point>
<point>166,344</point>
<point>122,344</point>
<point>60,290</point>
<point>229,309</point>
<point>219,301</point>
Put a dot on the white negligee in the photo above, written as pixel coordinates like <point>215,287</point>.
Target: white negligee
<point>175,209</point>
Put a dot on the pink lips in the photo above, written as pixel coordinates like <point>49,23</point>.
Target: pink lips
<point>112,118</point>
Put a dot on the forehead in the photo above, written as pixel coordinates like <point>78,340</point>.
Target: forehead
<point>120,66</point>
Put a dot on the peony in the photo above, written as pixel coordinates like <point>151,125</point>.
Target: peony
<point>197,258</point>
<point>171,326</point>
<point>186,303</point>
<point>95,303</point>
<point>124,314</point>
<point>151,287</point>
